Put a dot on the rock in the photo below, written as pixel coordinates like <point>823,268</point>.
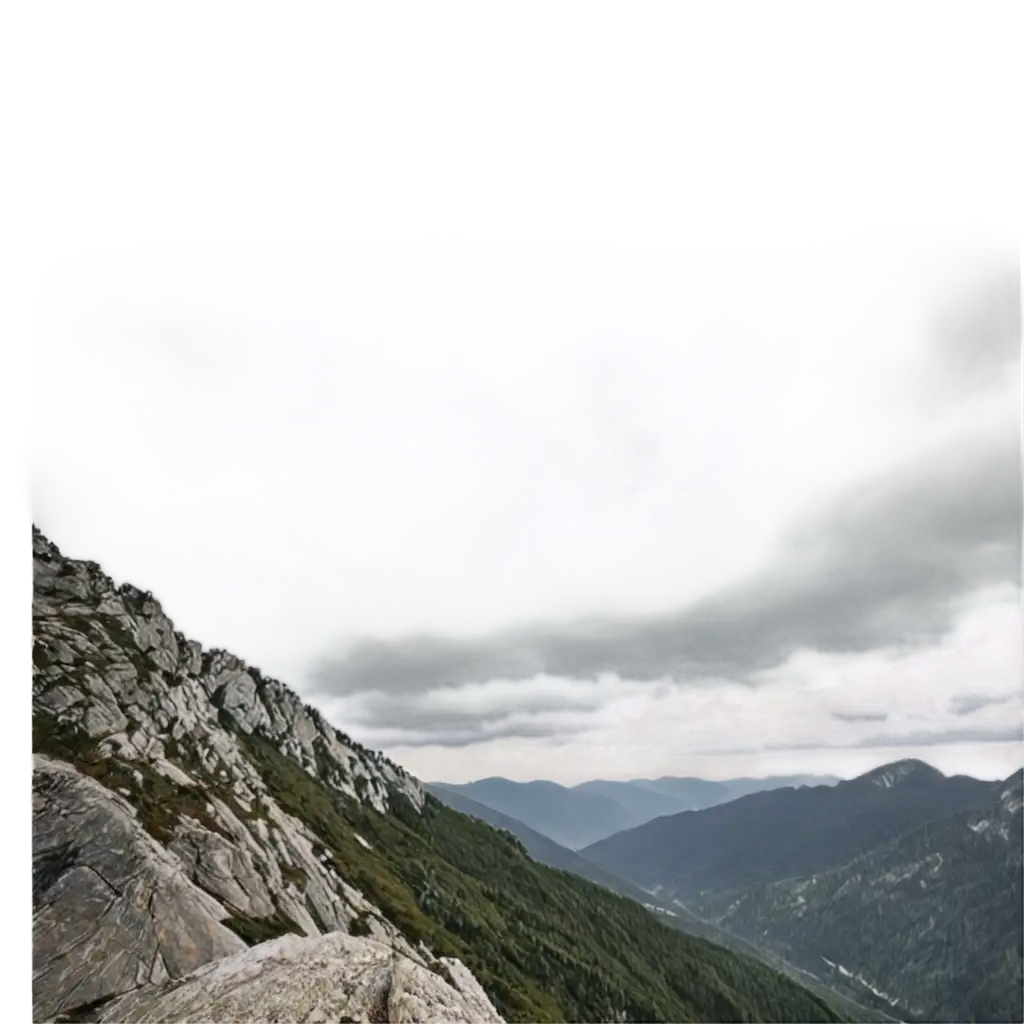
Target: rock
<point>103,720</point>
<point>169,726</point>
<point>312,979</point>
<point>60,698</point>
<point>112,908</point>
<point>242,701</point>
<point>222,868</point>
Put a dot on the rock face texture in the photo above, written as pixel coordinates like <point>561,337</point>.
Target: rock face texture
<point>332,978</point>
<point>208,848</point>
<point>112,908</point>
<point>158,846</point>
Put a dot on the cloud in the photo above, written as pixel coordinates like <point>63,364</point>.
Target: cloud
<point>967,704</point>
<point>541,707</point>
<point>860,716</point>
<point>882,566</point>
<point>480,495</point>
<point>878,562</point>
<point>914,738</point>
<point>64,473</point>
<point>468,732</point>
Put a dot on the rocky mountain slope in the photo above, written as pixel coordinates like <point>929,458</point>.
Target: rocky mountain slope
<point>768,836</point>
<point>117,913</point>
<point>186,808</point>
<point>931,923</point>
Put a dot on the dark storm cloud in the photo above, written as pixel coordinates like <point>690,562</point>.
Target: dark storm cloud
<point>880,567</point>
<point>859,716</point>
<point>961,341</point>
<point>968,703</point>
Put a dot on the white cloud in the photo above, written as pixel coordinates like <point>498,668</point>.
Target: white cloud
<point>455,433</point>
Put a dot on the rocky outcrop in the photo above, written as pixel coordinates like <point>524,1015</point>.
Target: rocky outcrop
<point>112,909</point>
<point>335,977</point>
<point>158,845</point>
<point>117,915</point>
<point>113,682</point>
<point>108,661</point>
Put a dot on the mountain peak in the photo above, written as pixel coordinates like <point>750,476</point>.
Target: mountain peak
<point>1016,779</point>
<point>898,772</point>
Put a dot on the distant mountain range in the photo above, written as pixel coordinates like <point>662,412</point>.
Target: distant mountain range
<point>540,847</point>
<point>579,815</point>
<point>901,887</point>
<point>899,891</point>
<point>935,915</point>
<point>765,837</point>
<point>547,851</point>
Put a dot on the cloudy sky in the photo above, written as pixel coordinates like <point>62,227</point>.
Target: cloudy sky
<point>599,461</point>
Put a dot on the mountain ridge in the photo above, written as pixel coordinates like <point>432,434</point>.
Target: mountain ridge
<point>858,883</point>
<point>540,847</point>
<point>549,852</point>
<point>935,914</point>
<point>769,835</point>
<point>251,809</point>
<point>579,815</point>
<point>572,819</point>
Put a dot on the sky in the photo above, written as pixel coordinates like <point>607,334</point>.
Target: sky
<point>566,513</point>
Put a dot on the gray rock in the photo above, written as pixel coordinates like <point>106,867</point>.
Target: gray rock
<point>242,701</point>
<point>103,720</point>
<point>222,868</point>
<point>322,979</point>
<point>156,637</point>
<point>60,698</point>
<point>112,909</point>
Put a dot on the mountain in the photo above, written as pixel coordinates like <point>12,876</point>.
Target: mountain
<point>547,851</point>
<point>782,833</point>
<point>205,846</point>
<point>539,847</point>
<point>119,924</point>
<point>934,915</point>
<point>692,794</point>
<point>687,794</point>
<point>572,818</point>
<point>640,802</point>
<point>577,816</point>
<point>745,786</point>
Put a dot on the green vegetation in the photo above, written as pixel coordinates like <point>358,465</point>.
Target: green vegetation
<point>360,924</point>
<point>159,802</point>
<point>255,930</point>
<point>934,917</point>
<point>545,944</point>
<point>700,856</point>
